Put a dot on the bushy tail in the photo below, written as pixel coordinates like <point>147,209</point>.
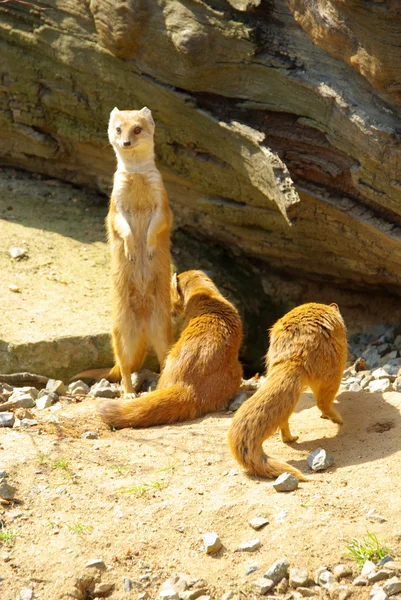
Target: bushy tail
<point>111,374</point>
<point>168,405</point>
<point>260,416</point>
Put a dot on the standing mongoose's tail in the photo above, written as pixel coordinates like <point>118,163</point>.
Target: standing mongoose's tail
<point>112,374</point>
<point>168,405</point>
<point>260,416</point>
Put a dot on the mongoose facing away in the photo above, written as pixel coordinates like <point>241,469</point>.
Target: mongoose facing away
<point>202,371</point>
<point>138,227</point>
<point>308,347</point>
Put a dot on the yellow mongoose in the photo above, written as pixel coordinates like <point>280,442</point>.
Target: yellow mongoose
<point>138,227</point>
<point>202,371</point>
<point>308,347</point>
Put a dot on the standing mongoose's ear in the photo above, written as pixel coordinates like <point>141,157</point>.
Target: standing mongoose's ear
<point>334,305</point>
<point>147,113</point>
<point>114,111</point>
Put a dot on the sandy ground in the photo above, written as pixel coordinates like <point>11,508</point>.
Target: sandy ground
<point>141,499</point>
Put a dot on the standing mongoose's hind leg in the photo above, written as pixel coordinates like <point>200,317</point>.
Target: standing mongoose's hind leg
<point>325,394</point>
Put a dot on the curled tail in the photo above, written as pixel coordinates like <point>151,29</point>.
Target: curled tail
<point>111,374</point>
<point>260,416</point>
<point>168,405</point>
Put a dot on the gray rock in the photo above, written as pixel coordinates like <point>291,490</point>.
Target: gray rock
<point>96,563</point>
<point>341,571</point>
<point>104,389</point>
<point>28,422</point>
<point>355,387</point>
<point>78,388</point>
<point>44,402</point>
<point>252,568</point>
<point>193,594</point>
<point>17,252</point>
<point>378,595</point>
<point>383,348</point>
<point>18,399</point>
<point>298,577</point>
<point>397,342</point>
<point>306,592</point>
<point>392,586</point>
<point>25,594</point>
<point>168,594</point>
<point>388,357</point>
<point>127,584</point>
<point>278,570</point>
<point>380,575</point>
<point>262,585</point>
<point>7,491</point>
<point>386,559</point>
<point>319,460</point>
<point>239,400</point>
<point>397,384</point>
<point>360,581</point>
<point>90,435</point>
<point>366,380</point>
<point>56,386</point>
<point>249,546</point>
<point>258,522</point>
<point>340,592</point>
<point>371,356</point>
<point>3,474</point>
<point>380,385</point>
<point>211,542</point>
<point>286,483</point>
<point>368,567</point>
<point>7,419</point>
<point>326,579</point>
<point>380,373</point>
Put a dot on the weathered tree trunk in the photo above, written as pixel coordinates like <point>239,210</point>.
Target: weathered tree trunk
<point>278,124</point>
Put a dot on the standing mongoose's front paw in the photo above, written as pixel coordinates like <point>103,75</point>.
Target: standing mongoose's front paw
<point>130,251</point>
<point>151,251</point>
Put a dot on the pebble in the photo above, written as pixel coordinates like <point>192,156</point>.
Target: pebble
<point>360,581</point>
<point>386,559</point>
<point>44,402</point>
<point>3,474</point>
<point>252,568</point>
<point>392,586</point>
<point>380,575</point>
<point>342,571</point>
<point>326,579</point>
<point>378,595</point>
<point>319,460</point>
<point>56,386</point>
<point>16,252</point>
<point>168,594</point>
<point>278,570</point>
<point>306,592</point>
<point>371,356</point>
<point>7,491</point>
<point>249,546</point>
<point>340,592</point>
<point>258,522</point>
<point>193,594</point>
<point>282,586</point>
<point>14,288</point>
<point>397,385</point>
<point>105,389</point>
<point>25,594</point>
<point>286,483</point>
<point>28,422</point>
<point>7,419</point>
<point>298,577</point>
<point>239,400</point>
<point>211,542</point>
<point>368,567</point>
<point>97,563</point>
<point>78,388</point>
<point>263,585</point>
<point>19,400</point>
<point>394,566</point>
<point>380,385</point>
<point>90,435</point>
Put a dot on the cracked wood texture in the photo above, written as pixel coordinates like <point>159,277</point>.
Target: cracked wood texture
<point>278,123</point>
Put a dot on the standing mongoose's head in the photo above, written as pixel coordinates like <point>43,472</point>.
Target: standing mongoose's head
<point>186,286</point>
<point>129,130</point>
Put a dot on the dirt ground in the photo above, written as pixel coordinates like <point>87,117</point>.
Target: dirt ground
<point>141,499</point>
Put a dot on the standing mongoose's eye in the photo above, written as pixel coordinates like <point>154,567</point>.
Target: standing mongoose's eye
<point>118,130</point>
<point>137,130</point>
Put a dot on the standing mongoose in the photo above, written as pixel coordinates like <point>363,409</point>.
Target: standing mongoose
<point>202,371</point>
<point>138,227</point>
<point>308,347</point>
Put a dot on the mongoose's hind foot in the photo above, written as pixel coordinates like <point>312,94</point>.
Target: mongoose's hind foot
<point>334,416</point>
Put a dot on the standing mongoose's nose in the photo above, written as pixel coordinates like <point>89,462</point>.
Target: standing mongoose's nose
<point>127,143</point>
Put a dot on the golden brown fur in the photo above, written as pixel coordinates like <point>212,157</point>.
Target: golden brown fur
<point>138,227</point>
<point>308,347</point>
<point>202,371</point>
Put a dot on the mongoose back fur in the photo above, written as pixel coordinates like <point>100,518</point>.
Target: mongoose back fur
<point>308,347</point>
<point>202,371</point>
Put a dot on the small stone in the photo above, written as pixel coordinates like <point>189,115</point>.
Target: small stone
<point>306,592</point>
<point>25,594</point>
<point>397,385</point>
<point>278,571</point>
<point>168,594</point>
<point>28,422</point>
<point>96,563</point>
<point>44,402</point>
<point>78,388</point>
<point>355,387</point>
<point>286,483</point>
<point>319,460</point>
<point>342,571</point>
<point>193,594</point>
<point>18,399</point>
<point>14,288</point>
<point>104,389</point>
<point>239,400</point>
<point>127,584</point>
<point>386,559</point>
<point>7,491</point>
<point>394,567</point>
<point>298,577</point>
<point>282,586</point>
<point>90,435</point>
<point>378,595</point>
<point>371,356</point>
<point>263,585</point>
<point>3,474</point>
<point>103,589</point>
<point>16,252</point>
<point>392,586</point>
<point>258,522</point>
<point>380,385</point>
<point>56,386</point>
<point>211,542</point>
<point>249,546</point>
<point>379,373</point>
<point>368,567</point>
<point>360,581</point>
<point>340,592</point>
<point>326,579</point>
<point>378,575</point>
<point>7,419</point>
<point>252,568</point>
